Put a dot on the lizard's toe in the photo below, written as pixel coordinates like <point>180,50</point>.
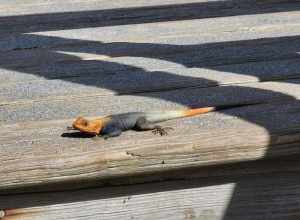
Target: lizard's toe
<point>155,131</point>
<point>161,131</point>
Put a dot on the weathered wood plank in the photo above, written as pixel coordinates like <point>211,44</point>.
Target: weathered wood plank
<point>135,15</point>
<point>18,7</point>
<point>34,154</point>
<point>178,32</point>
<point>131,81</point>
<point>65,107</point>
<point>199,55</point>
<point>122,74</point>
<point>194,143</point>
<point>268,196</point>
<point>66,61</point>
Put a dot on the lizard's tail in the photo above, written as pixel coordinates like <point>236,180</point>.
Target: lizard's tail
<point>197,111</point>
<point>160,116</point>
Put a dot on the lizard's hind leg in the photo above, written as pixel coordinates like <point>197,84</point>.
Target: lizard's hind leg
<point>143,125</point>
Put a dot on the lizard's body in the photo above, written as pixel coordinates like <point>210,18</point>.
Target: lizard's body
<point>114,125</point>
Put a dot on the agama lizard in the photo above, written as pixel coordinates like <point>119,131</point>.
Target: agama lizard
<point>114,125</point>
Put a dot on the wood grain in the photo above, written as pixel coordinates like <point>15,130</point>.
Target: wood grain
<point>274,132</point>
<point>110,16</point>
<point>66,107</point>
<point>59,60</point>
<point>193,56</point>
<point>132,81</point>
<point>267,196</point>
<point>190,32</point>
<point>18,7</point>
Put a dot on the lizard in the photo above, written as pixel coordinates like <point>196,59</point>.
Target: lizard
<point>113,125</point>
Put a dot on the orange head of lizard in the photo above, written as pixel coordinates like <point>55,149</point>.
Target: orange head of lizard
<point>88,126</point>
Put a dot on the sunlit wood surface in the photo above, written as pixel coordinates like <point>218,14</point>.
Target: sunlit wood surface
<point>62,59</point>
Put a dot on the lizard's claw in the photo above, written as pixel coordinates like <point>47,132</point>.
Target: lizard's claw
<point>161,131</point>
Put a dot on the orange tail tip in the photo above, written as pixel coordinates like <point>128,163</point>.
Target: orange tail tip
<point>198,111</point>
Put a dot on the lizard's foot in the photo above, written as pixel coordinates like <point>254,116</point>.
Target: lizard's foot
<point>96,138</point>
<point>161,131</point>
<point>105,136</point>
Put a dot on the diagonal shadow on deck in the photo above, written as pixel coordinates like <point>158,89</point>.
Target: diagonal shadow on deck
<point>214,56</point>
<point>139,15</point>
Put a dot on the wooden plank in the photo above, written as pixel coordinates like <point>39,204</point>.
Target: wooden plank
<point>268,196</point>
<point>13,7</point>
<point>131,81</point>
<point>135,15</point>
<point>144,58</point>
<point>18,7</point>
<point>178,32</point>
<point>34,154</point>
<point>65,107</point>
<point>199,55</point>
<point>194,143</point>
<point>79,75</point>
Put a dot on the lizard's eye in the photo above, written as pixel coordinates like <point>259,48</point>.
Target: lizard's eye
<point>85,123</point>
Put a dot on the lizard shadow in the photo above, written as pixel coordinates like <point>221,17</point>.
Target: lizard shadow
<point>76,135</point>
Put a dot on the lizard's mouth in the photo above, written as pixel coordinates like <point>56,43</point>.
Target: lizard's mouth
<point>70,128</point>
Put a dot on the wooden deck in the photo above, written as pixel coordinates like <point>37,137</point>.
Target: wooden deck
<point>61,59</point>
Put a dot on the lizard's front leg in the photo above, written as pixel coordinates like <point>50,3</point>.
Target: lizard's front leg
<point>111,131</point>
